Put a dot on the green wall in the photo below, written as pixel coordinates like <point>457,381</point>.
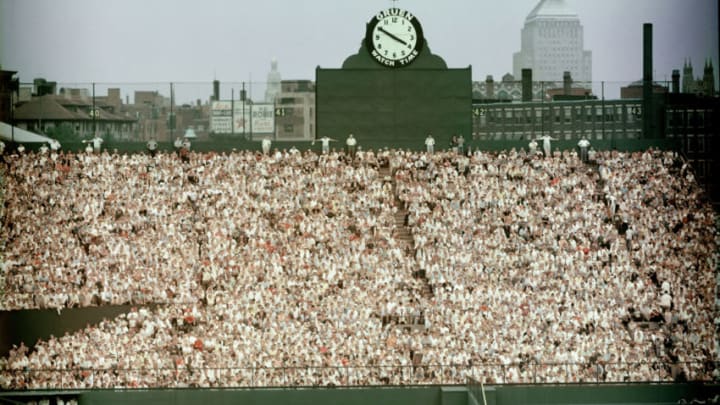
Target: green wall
<point>393,107</point>
<point>609,394</point>
<point>327,396</point>
<point>603,394</point>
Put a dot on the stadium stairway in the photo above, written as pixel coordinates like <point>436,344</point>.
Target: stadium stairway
<point>404,238</point>
<point>402,233</point>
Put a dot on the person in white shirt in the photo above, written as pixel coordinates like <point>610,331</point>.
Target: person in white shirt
<point>430,144</point>
<point>546,144</point>
<point>177,144</point>
<point>97,143</point>
<point>266,143</point>
<point>325,144</point>
<point>351,145</point>
<point>584,144</point>
<point>152,147</point>
<point>591,154</point>
<point>54,145</point>
<point>532,146</point>
<point>460,144</point>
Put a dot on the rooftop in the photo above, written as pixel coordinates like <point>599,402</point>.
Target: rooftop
<point>60,108</point>
<point>552,9</point>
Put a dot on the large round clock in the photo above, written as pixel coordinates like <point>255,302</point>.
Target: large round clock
<point>394,38</point>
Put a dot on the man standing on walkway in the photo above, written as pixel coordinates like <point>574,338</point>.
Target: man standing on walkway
<point>584,144</point>
<point>546,144</point>
<point>351,145</point>
<point>430,144</point>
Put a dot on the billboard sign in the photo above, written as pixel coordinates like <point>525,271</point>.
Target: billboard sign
<point>224,121</point>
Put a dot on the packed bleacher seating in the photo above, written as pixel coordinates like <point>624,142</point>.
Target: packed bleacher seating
<point>286,269</point>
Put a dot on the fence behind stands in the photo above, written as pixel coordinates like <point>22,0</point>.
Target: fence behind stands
<point>292,376</point>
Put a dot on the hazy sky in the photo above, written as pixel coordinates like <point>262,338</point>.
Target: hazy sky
<point>81,41</point>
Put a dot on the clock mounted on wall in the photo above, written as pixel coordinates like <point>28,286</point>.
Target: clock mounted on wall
<point>394,38</point>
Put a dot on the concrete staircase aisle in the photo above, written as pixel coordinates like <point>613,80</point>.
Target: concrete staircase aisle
<point>402,233</point>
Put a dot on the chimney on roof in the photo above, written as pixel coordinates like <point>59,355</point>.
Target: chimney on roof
<point>216,90</point>
<point>647,81</point>
<point>527,85</point>
<point>676,81</point>
<point>489,87</point>
<point>567,83</point>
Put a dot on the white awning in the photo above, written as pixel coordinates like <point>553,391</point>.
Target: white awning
<point>21,135</point>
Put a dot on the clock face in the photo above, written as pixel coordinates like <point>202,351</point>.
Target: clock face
<point>394,38</point>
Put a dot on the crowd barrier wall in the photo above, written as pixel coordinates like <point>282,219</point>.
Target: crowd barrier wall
<point>624,394</point>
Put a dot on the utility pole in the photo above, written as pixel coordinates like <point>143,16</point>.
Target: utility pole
<point>12,118</point>
<point>648,112</point>
<point>542,108</point>
<point>171,121</point>
<point>602,103</point>
<point>232,112</point>
<point>94,113</point>
<point>242,98</point>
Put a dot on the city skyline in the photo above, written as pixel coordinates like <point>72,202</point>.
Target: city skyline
<point>81,41</point>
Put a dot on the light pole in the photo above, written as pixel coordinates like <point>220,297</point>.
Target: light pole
<point>172,118</point>
<point>250,103</point>
<point>93,112</point>
<point>242,99</point>
<point>12,118</point>
<point>602,104</point>
<point>232,112</point>
<point>542,108</point>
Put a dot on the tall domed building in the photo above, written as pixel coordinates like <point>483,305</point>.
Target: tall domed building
<point>274,80</point>
<point>552,43</point>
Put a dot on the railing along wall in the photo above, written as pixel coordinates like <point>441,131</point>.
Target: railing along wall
<point>381,375</point>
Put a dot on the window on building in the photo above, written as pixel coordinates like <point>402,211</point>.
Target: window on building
<point>702,168</point>
<point>609,114</point>
<point>674,118</point>
<point>697,119</point>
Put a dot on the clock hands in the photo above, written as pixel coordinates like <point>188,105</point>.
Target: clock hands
<point>384,31</point>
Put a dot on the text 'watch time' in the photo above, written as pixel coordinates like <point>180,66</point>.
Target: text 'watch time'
<point>394,38</point>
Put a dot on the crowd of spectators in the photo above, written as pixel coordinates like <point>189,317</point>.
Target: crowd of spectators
<point>283,268</point>
<point>566,262</point>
